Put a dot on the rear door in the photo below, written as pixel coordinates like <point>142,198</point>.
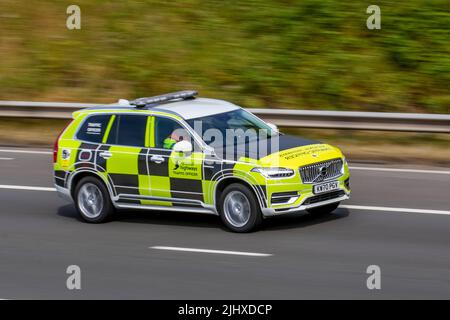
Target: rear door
<point>125,157</point>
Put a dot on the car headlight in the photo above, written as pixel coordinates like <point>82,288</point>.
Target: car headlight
<point>274,173</point>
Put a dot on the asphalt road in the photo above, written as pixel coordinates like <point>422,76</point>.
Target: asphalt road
<point>311,257</point>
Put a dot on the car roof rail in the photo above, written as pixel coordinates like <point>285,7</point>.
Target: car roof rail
<point>164,98</point>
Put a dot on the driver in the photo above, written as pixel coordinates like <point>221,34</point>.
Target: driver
<point>176,136</point>
<point>173,138</point>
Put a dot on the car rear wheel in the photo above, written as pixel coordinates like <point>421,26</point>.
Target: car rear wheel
<point>92,200</point>
<point>323,209</point>
<point>239,208</point>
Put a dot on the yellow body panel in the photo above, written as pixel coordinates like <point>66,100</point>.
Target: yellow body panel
<point>189,168</point>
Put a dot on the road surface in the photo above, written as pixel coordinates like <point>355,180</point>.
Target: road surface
<point>398,220</point>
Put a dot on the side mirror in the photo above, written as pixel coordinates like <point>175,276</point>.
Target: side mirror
<point>273,126</point>
<point>183,146</point>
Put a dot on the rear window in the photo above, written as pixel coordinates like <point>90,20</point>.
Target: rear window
<point>93,128</point>
<point>128,130</point>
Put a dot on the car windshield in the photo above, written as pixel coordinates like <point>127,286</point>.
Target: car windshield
<point>238,126</point>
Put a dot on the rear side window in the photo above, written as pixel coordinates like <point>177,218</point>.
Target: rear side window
<point>93,128</point>
<point>128,130</point>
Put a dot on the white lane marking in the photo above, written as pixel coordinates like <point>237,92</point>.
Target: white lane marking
<point>25,151</point>
<point>402,210</point>
<point>351,167</point>
<point>354,207</point>
<point>29,188</point>
<point>240,253</point>
<point>6,159</point>
<point>399,170</point>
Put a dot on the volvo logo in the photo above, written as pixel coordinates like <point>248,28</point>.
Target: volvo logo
<point>321,174</point>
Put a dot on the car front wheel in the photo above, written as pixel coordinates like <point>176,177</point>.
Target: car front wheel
<point>92,200</point>
<point>239,209</point>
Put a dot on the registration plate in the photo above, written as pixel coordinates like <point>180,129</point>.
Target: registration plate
<point>325,187</point>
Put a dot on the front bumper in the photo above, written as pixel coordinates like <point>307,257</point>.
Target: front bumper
<point>270,212</point>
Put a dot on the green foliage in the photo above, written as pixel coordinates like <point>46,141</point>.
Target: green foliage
<point>258,53</point>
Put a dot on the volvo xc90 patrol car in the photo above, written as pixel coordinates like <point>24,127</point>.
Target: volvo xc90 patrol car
<point>177,152</point>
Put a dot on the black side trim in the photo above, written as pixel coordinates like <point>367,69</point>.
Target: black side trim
<point>121,190</point>
<point>186,185</point>
<point>142,162</point>
<point>60,174</point>
<point>102,163</point>
<point>189,185</point>
<point>211,169</point>
<point>127,180</point>
<point>129,201</point>
<point>60,183</point>
<point>161,169</point>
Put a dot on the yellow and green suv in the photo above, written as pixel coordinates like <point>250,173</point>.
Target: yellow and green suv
<point>177,152</point>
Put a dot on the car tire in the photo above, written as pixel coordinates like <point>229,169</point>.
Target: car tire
<point>329,208</point>
<point>239,208</point>
<point>92,200</point>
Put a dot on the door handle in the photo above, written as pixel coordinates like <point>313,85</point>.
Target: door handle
<point>157,159</point>
<point>105,154</point>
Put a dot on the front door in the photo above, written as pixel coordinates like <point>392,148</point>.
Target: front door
<point>175,178</point>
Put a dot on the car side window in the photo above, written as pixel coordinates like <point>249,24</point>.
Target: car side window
<point>94,128</point>
<point>128,130</point>
<point>168,132</point>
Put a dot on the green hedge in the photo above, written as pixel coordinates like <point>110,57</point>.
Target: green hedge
<point>258,53</point>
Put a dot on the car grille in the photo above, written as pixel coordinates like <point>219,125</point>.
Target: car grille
<point>324,197</point>
<point>321,171</point>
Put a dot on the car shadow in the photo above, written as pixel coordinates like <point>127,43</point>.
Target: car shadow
<point>185,219</point>
<point>69,211</point>
<point>154,217</point>
<point>303,220</point>
<point>189,219</point>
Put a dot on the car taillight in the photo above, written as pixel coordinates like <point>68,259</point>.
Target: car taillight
<point>56,145</point>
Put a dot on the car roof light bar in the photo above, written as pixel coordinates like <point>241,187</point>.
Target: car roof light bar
<point>168,97</point>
